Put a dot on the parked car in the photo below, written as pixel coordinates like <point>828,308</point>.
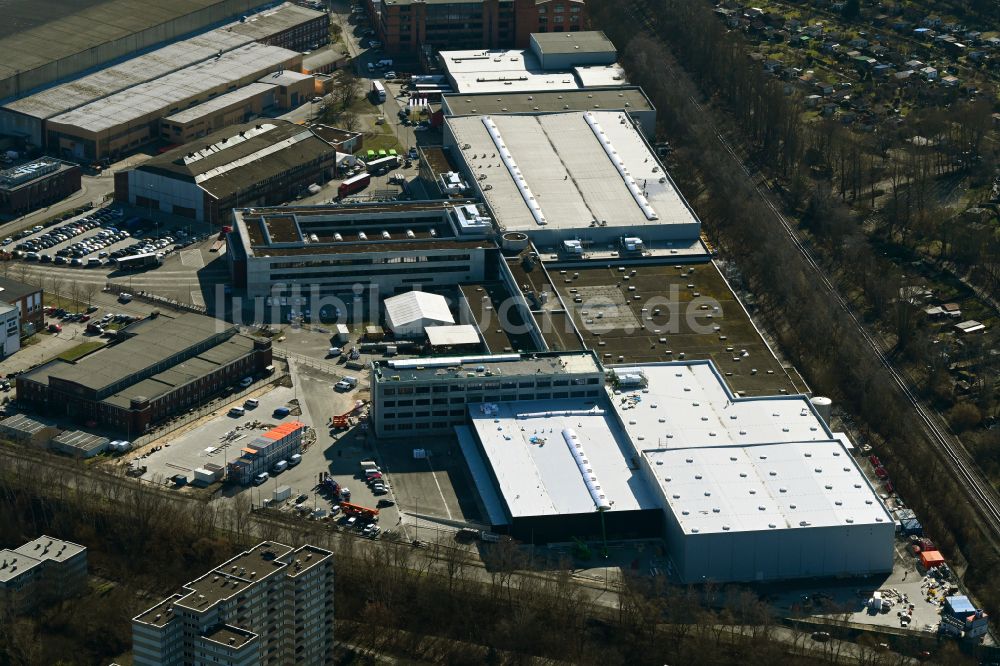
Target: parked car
<point>280,466</point>
<point>237,412</point>
<point>261,478</point>
<point>55,328</point>
<point>251,403</point>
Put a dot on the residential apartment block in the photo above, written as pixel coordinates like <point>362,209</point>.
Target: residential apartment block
<point>40,570</point>
<point>272,604</point>
<point>404,26</point>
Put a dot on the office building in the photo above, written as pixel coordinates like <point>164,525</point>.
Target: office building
<point>41,571</point>
<point>272,604</point>
<point>428,396</point>
<point>260,453</point>
<point>29,301</point>
<point>589,177</point>
<point>254,164</point>
<point>10,329</point>
<point>352,252</point>
<point>406,26</point>
<point>31,186</point>
<point>121,122</point>
<point>155,368</point>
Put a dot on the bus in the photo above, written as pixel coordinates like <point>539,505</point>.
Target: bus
<point>378,92</point>
<point>137,261</point>
<point>353,184</point>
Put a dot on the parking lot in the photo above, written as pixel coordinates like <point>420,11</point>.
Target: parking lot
<point>96,239</point>
<point>216,439</point>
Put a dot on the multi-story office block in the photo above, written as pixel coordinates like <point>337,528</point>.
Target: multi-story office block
<point>431,395</point>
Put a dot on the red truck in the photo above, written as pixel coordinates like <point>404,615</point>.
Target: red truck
<point>353,184</point>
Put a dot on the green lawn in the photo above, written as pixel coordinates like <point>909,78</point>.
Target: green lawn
<point>81,349</point>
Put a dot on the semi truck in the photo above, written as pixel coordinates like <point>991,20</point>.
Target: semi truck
<point>383,164</point>
<point>353,184</point>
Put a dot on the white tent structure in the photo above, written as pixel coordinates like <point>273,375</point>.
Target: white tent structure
<point>407,315</point>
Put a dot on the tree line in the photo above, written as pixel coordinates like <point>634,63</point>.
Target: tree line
<point>815,332</point>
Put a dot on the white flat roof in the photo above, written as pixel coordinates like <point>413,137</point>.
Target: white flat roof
<point>687,405</point>
<point>464,334</point>
<point>765,487</point>
<point>726,463</point>
<point>160,94</point>
<point>535,468</point>
<point>519,70</point>
<point>599,76</point>
<point>219,103</point>
<point>569,172</point>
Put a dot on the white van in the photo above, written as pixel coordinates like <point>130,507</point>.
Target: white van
<point>294,459</point>
<point>260,478</point>
<point>280,466</point>
<point>237,412</point>
<point>251,403</point>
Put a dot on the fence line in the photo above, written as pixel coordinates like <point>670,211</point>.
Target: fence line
<point>153,299</point>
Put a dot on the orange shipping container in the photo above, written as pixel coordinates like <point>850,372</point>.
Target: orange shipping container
<point>931,559</point>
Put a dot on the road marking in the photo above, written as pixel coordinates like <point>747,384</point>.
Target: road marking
<point>440,492</point>
<point>192,259</point>
<point>197,298</point>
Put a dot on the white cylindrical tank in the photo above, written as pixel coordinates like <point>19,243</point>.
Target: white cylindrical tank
<point>823,407</point>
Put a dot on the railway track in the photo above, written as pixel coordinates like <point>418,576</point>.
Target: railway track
<point>986,501</point>
<point>983,496</point>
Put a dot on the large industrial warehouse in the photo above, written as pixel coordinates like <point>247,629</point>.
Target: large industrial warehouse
<point>752,488</point>
<point>586,176</point>
<point>250,164</point>
<point>179,74</point>
<point>128,119</point>
<point>741,489</point>
<point>157,367</point>
<point>72,36</point>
